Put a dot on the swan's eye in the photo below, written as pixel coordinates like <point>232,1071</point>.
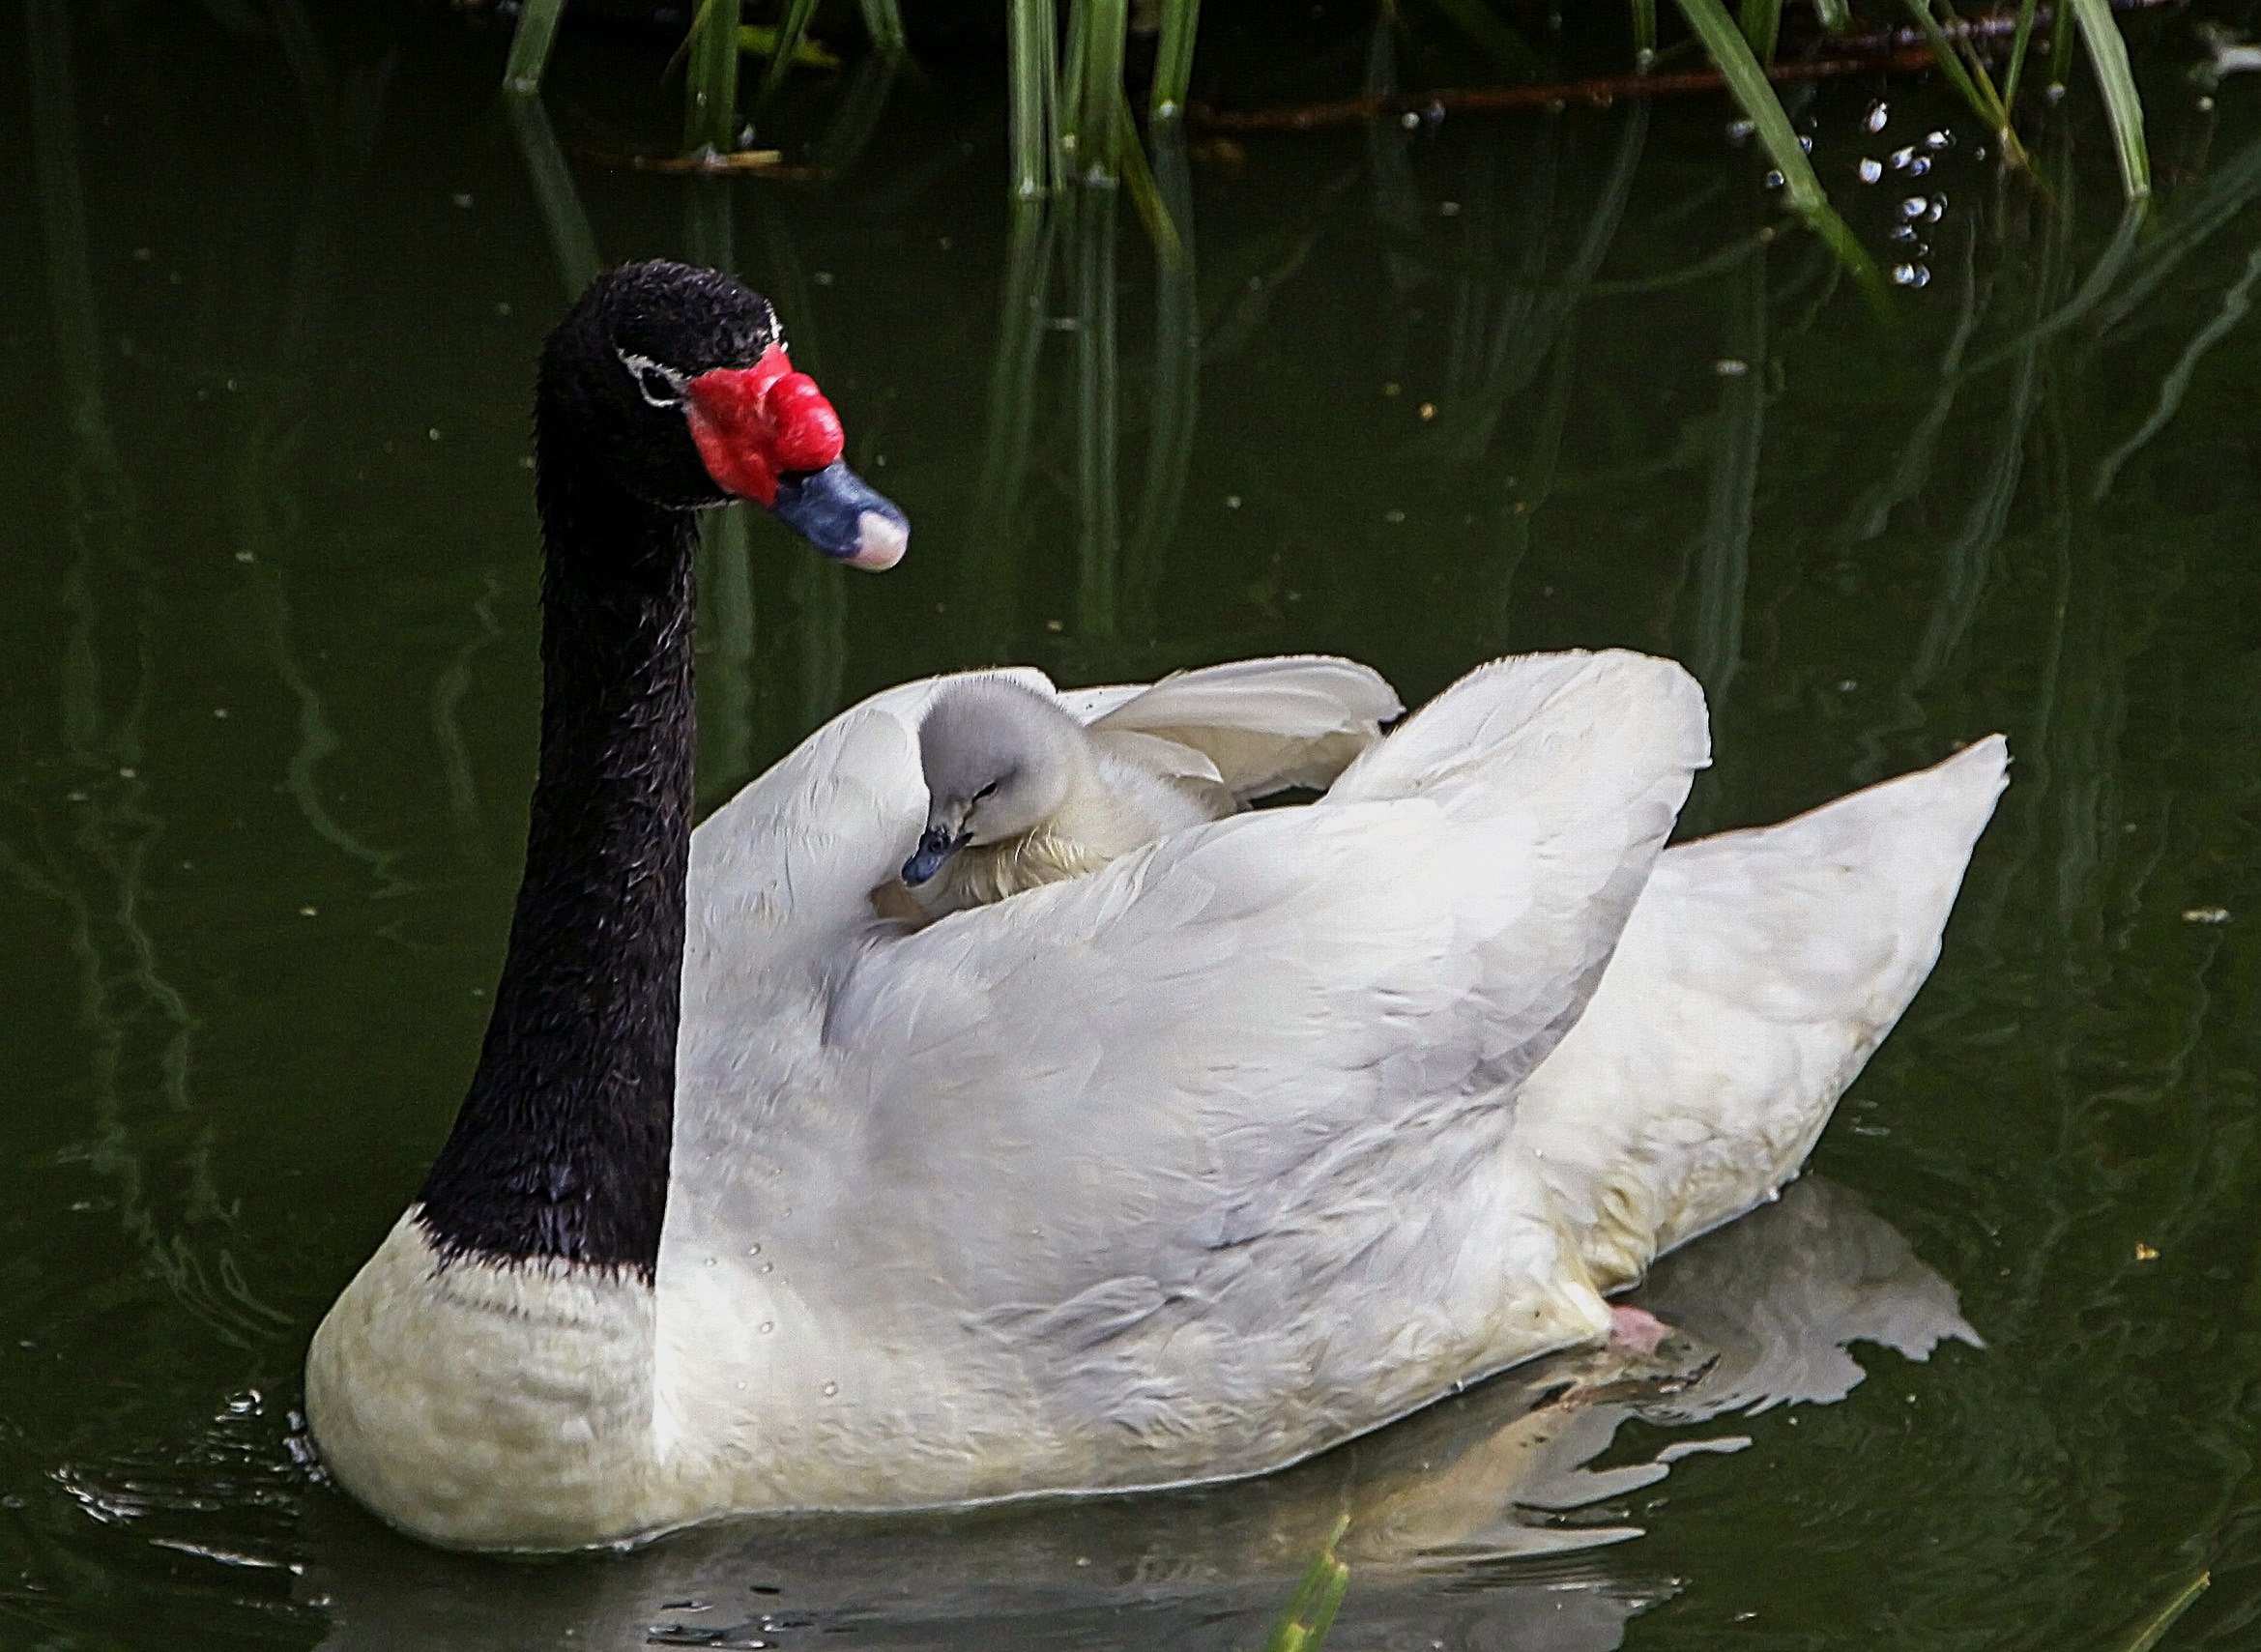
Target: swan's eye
<point>661,386</point>
<point>985,792</point>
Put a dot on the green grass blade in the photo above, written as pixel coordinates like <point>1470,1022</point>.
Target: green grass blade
<point>710,84</point>
<point>1031,59</point>
<point>1644,30</point>
<point>1762,26</point>
<point>1067,111</point>
<point>1749,84</point>
<point>1173,57</point>
<point>2108,52</point>
<point>1104,26</point>
<point>1311,1611</point>
<point>1836,15</point>
<point>1950,63</point>
<point>529,45</point>
<point>1476,19</point>
<point>2018,44</point>
<point>2174,1609</point>
<point>760,39</point>
<point>571,241</point>
<point>1137,182</point>
<point>792,27</point>
<point>883,21</point>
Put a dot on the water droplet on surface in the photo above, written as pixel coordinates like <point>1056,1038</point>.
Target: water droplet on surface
<point>1914,207</point>
<point>765,1326</point>
<point>1730,367</point>
<point>1935,141</point>
<point>1739,131</point>
<point>1911,275</point>
<point>831,1389</point>
<point>1774,180</point>
<point>1878,114</point>
<point>1871,171</point>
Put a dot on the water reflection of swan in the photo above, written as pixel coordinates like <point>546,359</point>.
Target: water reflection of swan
<point>1766,1312</point>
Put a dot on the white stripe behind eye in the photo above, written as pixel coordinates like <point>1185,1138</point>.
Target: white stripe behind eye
<point>657,382</point>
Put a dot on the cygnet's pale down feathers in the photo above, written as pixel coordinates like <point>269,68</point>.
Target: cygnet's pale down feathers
<point>1021,791</point>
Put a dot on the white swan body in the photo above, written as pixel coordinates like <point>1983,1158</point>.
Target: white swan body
<point>1027,787</point>
<point>1254,1139</point>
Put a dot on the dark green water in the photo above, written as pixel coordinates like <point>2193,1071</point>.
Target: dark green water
<point>270,288</point>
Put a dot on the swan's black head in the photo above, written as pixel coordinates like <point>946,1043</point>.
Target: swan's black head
<point>674,382</point>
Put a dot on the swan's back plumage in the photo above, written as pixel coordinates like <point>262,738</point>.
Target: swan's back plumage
<point>1173,1181</point>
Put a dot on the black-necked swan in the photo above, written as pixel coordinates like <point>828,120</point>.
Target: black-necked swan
<point>1257,1137</point>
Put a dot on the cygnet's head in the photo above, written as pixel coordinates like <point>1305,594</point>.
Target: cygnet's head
<point>1000,760</point>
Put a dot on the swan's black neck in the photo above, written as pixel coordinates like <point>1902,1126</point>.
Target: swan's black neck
<point>561,1149</point>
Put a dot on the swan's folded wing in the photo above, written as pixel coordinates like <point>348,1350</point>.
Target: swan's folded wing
<point>781,875</point>
<point>1759,971</point>
<point>1267,724</point>
<point>1255,1055</point>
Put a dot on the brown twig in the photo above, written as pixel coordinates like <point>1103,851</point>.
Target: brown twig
<point>1602,90</point>
<point>713,163</point>
<point>1888,51</point>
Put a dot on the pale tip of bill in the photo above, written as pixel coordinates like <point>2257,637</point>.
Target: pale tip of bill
<point>879,541</point>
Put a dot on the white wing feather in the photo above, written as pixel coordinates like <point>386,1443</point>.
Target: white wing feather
<point>1111,1143</point>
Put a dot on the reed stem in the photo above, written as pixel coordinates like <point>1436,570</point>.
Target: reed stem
<point>711,83</point>
<point>529,45</point>
<point>1173,57</point>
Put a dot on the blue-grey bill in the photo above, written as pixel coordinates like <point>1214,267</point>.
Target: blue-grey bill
<point>935,846</point>
<point>843,516</point>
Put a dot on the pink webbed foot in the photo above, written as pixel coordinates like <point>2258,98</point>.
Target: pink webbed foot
<point>1636,1332</point>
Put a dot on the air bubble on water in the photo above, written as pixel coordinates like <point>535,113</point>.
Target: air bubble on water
<point>1878,113</point>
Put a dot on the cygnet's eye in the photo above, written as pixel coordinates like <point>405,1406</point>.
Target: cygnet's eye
<point>661,386</point>
<point>985,792</point>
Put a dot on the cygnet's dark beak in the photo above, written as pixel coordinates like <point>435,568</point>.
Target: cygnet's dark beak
<point>935,846</point>
<point>843,516</point>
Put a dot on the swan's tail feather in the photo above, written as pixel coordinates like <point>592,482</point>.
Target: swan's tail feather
<point>1756,974</point>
